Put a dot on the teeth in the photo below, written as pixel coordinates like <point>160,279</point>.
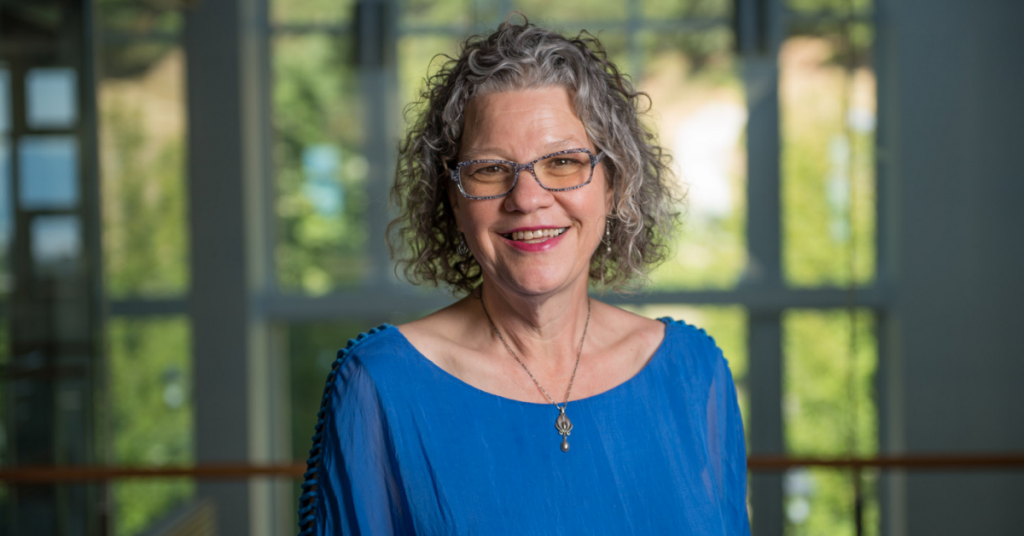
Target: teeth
<point>541,234</point>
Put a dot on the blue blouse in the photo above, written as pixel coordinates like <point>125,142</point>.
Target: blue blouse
<point>403,447</point>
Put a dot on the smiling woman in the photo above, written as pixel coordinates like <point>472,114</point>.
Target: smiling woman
<point>527,178</point>
<point>520,126</point>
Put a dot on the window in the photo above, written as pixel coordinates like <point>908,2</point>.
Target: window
<point>776,258</point>
<point>797,161</point>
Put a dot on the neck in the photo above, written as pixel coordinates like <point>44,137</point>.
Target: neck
<point>544,331</point>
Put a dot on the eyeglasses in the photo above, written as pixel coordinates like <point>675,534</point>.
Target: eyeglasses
<point>556,172</point>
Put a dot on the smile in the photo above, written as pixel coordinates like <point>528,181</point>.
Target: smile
<point>535,237</point>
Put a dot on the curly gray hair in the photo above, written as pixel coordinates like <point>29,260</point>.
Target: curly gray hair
<point>424,238</point>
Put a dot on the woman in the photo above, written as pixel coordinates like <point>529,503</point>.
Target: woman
<point>527,407</point>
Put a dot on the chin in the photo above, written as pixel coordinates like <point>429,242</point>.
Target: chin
<point>538,281</point>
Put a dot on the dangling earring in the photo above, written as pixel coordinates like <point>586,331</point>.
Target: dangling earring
<point>462,250</point>
<point>607,236</point>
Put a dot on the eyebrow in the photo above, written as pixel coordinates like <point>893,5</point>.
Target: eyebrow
<point>548,148</point>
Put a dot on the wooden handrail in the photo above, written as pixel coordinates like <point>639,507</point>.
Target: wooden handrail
<point>211,471</point>
<point>208,471</point>
<point>911,461</point>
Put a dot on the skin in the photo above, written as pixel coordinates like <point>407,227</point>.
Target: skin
<point>538,300</point>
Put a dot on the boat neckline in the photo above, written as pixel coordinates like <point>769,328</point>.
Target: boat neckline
<point>607,392</point>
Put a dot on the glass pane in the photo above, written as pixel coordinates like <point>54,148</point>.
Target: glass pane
<point>5,101</point>
<point>417,59</point>
<point>151,415</point>
<point>827,105</point>
<point>41,19</point>
<point>132,60</point>
<point>681,9</point>
<point>5,359</point>
<point>311,11</point>
<point>699,113</point>
<point>829,410</point>
<point>820,501</point>
<point>312,349</point>
<point>447,12</point>
<point>51,95</point>
<point>840,6</point>
<point>549,14</point>
<point>48,172</point>
<point>5,355</point>
<point>6,192</point>
<point>142,173</point>
<point>56,245</point>
<point>320,169</point>
<point>6,216</point>
<point>140,17</point>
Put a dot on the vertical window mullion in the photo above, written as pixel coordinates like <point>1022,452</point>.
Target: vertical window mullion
<point>758,27</point>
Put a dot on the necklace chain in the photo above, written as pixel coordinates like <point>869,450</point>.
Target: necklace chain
<point>579,352</point>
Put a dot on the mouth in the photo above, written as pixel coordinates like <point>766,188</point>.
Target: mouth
<point>536,236</point>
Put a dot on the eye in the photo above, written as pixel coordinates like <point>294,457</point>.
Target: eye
<point>487,171</point>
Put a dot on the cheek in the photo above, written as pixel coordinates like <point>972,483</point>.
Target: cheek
<point>609,189</point>
<point>476,217</point>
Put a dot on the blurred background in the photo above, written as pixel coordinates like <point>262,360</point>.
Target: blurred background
<point>193,208</point>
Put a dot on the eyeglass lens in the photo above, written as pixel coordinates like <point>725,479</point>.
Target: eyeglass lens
<point>485,179</point>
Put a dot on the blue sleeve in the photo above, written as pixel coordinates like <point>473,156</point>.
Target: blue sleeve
<point>733,451</point>
<point>351,485</point>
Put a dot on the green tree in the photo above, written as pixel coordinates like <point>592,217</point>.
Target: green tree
<point>151,414</point>
<point>148,361</point>
<point>317,107</point>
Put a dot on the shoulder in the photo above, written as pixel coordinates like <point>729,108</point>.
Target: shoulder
<point>680,332</point>
<point>693,348</point>
<point>369,358</point>
<point>447,336</point>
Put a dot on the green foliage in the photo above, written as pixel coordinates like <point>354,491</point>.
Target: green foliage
<point>709,250</point>
<point>4,342</point>
<point>5,345</point>
<point>666,9</point>
<point>140,16</point>
<point>316,103</point>
<point>448,13</point>
<point>144,232</point>
<point>420,56</point>
<point>145,255</point>
<point>828,227</point>
<point>825,411</point>
<point>828,188</point>
<point>151,415</point>
<point>312,349</point>
<point>840,6</point>
<point>311,11</point>
<point>829,411</point>
<point>551,13</point>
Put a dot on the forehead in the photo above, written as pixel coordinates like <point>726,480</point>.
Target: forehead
<point>522,121</point>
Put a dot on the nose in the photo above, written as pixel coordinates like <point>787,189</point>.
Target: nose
<point>528,195</point>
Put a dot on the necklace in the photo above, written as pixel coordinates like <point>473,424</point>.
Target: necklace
<point>562,423</point>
